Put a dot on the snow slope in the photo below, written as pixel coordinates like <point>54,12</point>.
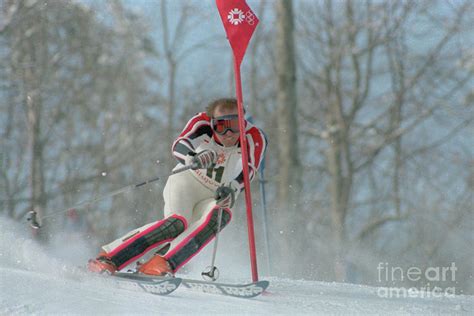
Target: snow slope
<point>32,282</point>
<point>28,292</point>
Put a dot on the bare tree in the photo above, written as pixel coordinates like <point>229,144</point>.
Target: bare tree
<point>368,148</point>
<point>81,85</point>
<point>287,106</point>
<point>361,120</point>
<point>177,46</point>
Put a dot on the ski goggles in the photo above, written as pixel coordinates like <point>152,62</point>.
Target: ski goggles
<point>225,123</point>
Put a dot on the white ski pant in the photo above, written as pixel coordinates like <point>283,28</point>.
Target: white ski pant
<point>184,195</point>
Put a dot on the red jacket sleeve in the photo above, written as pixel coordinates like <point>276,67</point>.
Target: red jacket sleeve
<point>196,126</point>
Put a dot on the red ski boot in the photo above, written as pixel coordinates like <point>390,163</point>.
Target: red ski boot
<point>102,264</point>
<point>157,265</point>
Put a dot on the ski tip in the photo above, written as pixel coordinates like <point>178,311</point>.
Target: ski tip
<point>263,284</point>
<point>177,281</point>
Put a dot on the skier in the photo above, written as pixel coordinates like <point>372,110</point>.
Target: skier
<point>210,143</point>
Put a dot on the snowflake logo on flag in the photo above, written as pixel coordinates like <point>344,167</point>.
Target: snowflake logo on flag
<point>236,16</point>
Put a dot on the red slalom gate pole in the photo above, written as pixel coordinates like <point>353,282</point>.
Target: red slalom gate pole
<point>239,23</point>
<point>245,167</point>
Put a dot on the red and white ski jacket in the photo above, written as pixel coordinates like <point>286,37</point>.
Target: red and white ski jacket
<point>198,136</point>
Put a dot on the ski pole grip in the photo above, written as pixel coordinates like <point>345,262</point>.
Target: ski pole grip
<point>33,219</point>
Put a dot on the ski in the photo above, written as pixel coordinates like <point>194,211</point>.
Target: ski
<point>148,284</point>
<point>248,290</point>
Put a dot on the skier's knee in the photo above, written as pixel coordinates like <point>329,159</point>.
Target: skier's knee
<point>135,245</point>
<point>174,225</point>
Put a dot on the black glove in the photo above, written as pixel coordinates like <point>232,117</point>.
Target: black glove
<point>225,196</point>
<point>204,159</point>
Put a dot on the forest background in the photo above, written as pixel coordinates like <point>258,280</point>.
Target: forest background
<point>367,106</point>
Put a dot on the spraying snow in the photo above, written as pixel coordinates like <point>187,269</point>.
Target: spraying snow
<point>36,280</point>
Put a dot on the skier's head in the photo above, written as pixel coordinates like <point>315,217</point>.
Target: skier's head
<point>224,120</point>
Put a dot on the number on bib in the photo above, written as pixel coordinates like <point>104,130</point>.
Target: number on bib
<point>216,173</point>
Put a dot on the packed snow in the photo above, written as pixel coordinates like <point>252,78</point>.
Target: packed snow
<point>40,281</point>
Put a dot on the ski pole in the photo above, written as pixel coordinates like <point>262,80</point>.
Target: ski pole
<point>213,272</point>
<point>184,168</point>
<point>265,217</point>
<point>35,220</point>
